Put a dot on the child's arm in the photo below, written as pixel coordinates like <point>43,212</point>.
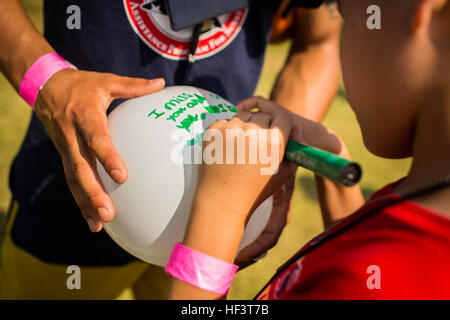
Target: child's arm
<point>228,193</point>
<point>216,228</point>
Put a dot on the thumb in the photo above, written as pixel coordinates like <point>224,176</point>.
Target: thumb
<point>125,87</point>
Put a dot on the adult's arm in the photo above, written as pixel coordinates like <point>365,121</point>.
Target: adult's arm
<point>72,106</point>
<point>309,80</point>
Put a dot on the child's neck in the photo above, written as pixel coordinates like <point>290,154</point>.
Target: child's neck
<point>431,151</point>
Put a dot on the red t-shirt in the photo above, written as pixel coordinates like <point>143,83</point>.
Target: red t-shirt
<point>401,251</point>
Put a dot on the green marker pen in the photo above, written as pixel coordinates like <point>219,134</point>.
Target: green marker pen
<point>324,163</point>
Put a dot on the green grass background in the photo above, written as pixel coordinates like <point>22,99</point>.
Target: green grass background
<point>305,220</point>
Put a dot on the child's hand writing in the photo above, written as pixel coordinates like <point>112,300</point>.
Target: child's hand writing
<point>247,165</point>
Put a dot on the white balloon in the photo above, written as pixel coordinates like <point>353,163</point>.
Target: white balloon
<point>159,138</point>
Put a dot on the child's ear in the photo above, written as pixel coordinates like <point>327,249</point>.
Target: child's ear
<point>424,10</point>
<point>422,14</point>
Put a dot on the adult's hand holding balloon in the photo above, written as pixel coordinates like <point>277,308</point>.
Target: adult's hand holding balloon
<point>72,106</point>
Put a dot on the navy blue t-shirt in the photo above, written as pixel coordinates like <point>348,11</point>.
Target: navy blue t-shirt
<point>129,38</point>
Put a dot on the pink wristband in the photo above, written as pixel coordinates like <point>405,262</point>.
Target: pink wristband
<point>38,75</point>
<point>201,270</point>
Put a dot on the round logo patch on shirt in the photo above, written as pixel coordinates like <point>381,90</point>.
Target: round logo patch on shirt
<point>150,21</point>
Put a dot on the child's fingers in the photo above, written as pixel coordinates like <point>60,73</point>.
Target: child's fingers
<point>297,134</point>
<point>283,122</point>
<point>244,116</point>
<point>218,124</point>
<point>247,104</point>
<point>261,119</point>
<point>262,104</point>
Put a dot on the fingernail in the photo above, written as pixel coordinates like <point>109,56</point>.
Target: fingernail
<point>117,175</point>
<point>92,224</point>
<point>104,214</point>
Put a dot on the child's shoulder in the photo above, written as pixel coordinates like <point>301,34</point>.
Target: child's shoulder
<point>388,218</point>
<point>437,202</point>
<point>425,214</point>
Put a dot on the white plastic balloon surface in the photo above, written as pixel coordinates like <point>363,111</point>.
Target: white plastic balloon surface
<point>159,138</point>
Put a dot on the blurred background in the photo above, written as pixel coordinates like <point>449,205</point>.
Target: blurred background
<point>305,221</point>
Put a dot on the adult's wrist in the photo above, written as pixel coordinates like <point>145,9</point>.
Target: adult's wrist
<point>39,74</point>
<point>51,92</point>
